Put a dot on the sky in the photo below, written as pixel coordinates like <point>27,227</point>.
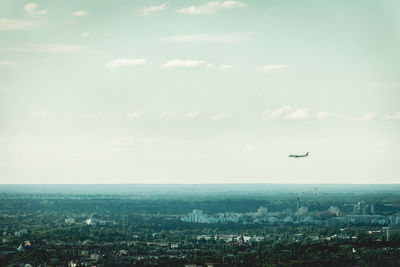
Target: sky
<point>181,91</point>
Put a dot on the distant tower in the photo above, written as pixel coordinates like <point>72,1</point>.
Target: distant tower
<point>315,192</point>
<point>241,241</point>
<point>387,232</point>
<point>297,209</point>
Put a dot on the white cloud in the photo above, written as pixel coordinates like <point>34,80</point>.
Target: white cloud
<point>369,117</point>
<point>85,34</point>
<point>211,7</point>
<point>248,148</point>
<point>276,114</point>
<point>8,63</point>
<point>32,9</point>
<point>286,113</point>
<point>227,67</point>
<point>121,141</point>
<point>178,63</point>
<point>269,68</point>
<point>166,115</point>
<point>299,114</point>
<point>154,9</point>
<point>17,24</point>
<point>192,114</point>
<point>395,116</point>
<point>125,62</point>
<point>223,38</point>
<point>220,116</point>
<point>80,13</point>
<point>322,115</point>
<point>153,140</point>
<point>136,114</point>
<point>375,116</point>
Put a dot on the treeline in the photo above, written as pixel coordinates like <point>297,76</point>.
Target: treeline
<point>157,206</point>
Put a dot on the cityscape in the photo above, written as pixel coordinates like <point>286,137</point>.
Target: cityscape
<point>257,225</point>
<point>362,214</point>
<point>199,133</point>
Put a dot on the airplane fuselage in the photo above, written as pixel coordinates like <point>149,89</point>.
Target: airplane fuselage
<point>299,156</point>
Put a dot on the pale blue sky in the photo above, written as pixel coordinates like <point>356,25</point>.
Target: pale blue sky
<point>152,91</point>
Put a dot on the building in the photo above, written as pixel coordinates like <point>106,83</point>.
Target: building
<point>94,221</point>
<point>302,211</point>
<point>367,219</point>
<point>197,216</point>
<point>69,220</point>
<point>334,210</point>
<point>262,211</point>
<point>241,241</point>
<point>362,208</point>
<point>95,257</point>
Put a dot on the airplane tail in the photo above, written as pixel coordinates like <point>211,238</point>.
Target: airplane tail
<point>307,154</point>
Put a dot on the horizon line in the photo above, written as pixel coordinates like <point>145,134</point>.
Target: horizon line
<point>250,183</point>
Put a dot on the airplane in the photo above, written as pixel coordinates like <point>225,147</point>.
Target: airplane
<point>299,156</point>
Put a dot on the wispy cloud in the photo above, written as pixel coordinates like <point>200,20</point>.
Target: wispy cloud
<point>85,34</point>
<point>375,116</point>
<point>223,38</point>
<point>32,10</point>
<point>121,141</point>
<point>383,85</point>
<point>395,116</point>
<point>45,48</point>
<point>287,113</point>
<point>220,116</point>
<point>227,67</point>
<point>277,113</point>
<point>136,114</point>
<point>193,114</point>
<point>179,63</point>
<point>269,68</point>
<point>153,140</point>
<point>18,24</point>
<point>80,13</point>
<point>125,62</point>
<point>248,148</point>
<point>166,115</point>
<point>369,117</point>
<point>211,7</point>
<point>153,10</point>
<point>299,114</point>
<point>40,113</point>
<point>322,115</point>
<point>7,63</point>
<point>292,113</point>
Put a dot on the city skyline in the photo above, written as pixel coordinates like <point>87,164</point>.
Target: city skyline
<point>199,92</point>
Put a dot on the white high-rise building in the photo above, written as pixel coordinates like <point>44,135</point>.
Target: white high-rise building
<point>197,216</point>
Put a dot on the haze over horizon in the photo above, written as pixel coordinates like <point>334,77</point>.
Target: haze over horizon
<point>197,92</point>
